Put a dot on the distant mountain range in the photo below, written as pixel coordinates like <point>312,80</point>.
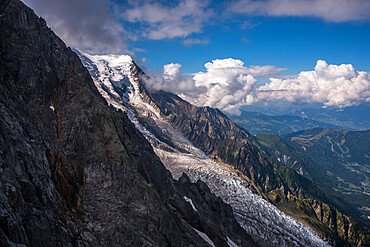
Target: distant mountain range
<point>348,118</point>
<point>258,123</point>
<point>270,120</point>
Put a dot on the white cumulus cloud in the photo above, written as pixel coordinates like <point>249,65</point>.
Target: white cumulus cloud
<point>228,84</point>
<point>331,85</point>
<point>173,81</point>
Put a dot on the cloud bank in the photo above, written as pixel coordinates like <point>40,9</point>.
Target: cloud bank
<point>329,10</point>
<point>228,84</point>
<point>106,26</point>
<point>331,85</point>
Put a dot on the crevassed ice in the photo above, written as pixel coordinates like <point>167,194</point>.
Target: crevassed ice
<point>267,225</point>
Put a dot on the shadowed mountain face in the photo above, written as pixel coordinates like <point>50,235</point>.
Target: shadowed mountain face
<point>76,172</point>
<point>211,131</point>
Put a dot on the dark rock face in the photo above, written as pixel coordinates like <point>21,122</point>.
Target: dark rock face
<point>75,172</point>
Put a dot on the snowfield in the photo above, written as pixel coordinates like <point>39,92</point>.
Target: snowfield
<point>267,225</point>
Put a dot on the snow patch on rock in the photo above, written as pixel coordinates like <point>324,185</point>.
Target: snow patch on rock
<point>231,243</point>
<point>205,237</point>
<point>191,202</point>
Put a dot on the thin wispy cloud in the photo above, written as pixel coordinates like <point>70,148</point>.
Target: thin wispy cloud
<point>190,42</point>
<point>140,50</point>
<point>159,21</point>
<point>329,10</point>
<point>245,40</point>
<point>248,24</point>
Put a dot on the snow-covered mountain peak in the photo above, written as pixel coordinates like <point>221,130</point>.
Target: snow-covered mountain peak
<point>114,76</point>
<point>110,67</point>
<point>113,60</point>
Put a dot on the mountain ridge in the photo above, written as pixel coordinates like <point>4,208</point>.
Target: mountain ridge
<point>258,123</point>
<point>147,123</point>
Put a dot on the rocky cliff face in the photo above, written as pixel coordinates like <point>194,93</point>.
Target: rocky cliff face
<point>76,172</point>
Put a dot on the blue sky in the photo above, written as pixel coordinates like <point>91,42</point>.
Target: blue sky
<point>295,43</point>
<point>230,54</point>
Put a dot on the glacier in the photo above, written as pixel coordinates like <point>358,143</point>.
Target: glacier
<point>268,226</point>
